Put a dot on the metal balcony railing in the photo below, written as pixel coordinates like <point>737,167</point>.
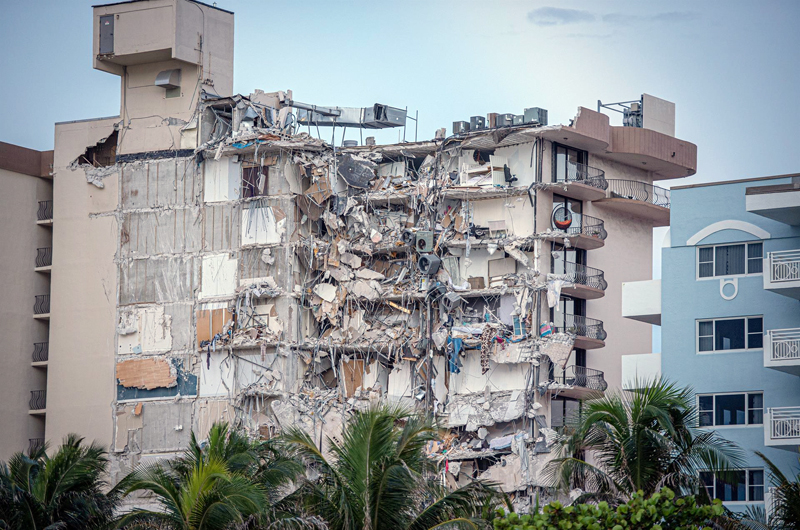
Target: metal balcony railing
<point>41,304</point>
<point>41,352</point>
<point>784,266</point>
<point>638,191</point>
<point>581,274</point>
<point>785,344</point>
<point>44,257</point>
<point>784,423</point>
<point>582,377</point>
<point>588,226</point>
<point>584,174</point>
<point>589,328</point>
<point>34,444</point>
<point>45,211</point>
<point>38,400</point>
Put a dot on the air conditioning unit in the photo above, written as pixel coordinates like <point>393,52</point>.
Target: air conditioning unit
<point>504,120</point>
<point>408,237</point>
<point>535,115</point>
<point>424,241</point>
<point>428,264</point>
<point>460,127</point>
<point>477,122</point>
<point>519,119</point>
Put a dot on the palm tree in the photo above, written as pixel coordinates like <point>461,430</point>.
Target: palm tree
<point>64,491</point>
<point>225,481</point>
<point>640,442</point>
<point>378,477</point>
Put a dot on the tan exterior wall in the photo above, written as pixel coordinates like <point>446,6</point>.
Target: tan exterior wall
<point>20,236</point>
<point>83,300</point>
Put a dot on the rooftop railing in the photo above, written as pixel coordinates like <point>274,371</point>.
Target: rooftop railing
<point>45,211</point>
<point>581,274</point>
<point>638,191</point>
<point>784,266</point>
<point>784,423</point>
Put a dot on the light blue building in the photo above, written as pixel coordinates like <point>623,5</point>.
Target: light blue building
<point>730,316</point>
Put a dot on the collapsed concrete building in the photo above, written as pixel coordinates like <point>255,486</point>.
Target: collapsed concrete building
<point>214,259</point>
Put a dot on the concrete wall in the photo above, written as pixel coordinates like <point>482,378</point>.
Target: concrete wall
<point>84,293</point>
<point>20,236</point>
<point>686,299</point>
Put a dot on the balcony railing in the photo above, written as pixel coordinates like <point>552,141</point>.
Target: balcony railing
<point>584,174</point>
<point>588,226</point>
<point>41,352</point>
<point>784,423</point>
<point>582,377</point>
<point>45,212</point>
<point>581,274</point>
<point>638,191</point>
<point>38,400</point>
<point>784,266</point>
<point>785,344</point>
<point>41,304</point>
<point>44,257</point>
<point>589,328</point>
<point>34,444</point>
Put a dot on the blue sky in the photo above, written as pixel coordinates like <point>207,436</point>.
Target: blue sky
<point>732,67</point>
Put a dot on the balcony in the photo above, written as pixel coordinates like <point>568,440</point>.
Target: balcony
<point>782,428</point>
<point>589,233</point>
<point>41,353</point>
<point>642,301</point>
<point>589,332</point>
<point>44,215</point>
<point>44,259</point>
<point>38,402</point>
<point>580,182</point>
<point>782,350</point>
<point>782,273</point>
<point>640,368</point>
<point>34,444</point>
<point>582,382</point>
<point>588,283</point>
<point>638,199</point>
<point>780,202</point>
<point>41,307</point>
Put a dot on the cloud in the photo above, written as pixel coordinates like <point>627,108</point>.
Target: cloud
<point>553,16</point>
<point>666,17</point>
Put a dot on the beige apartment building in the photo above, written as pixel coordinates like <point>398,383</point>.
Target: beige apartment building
<point>214,260</point>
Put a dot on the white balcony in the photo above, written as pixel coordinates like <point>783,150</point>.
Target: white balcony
<point>782,273</point>
<point>642,301</point>
<point>782,428</point>
<point>640,368</point>
<point>782,350</point>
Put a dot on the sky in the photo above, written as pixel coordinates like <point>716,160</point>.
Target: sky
<point>732,67</point>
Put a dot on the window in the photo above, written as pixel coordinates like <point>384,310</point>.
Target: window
<point>745,333</point>
<point>730,260</point>
<point>748,486</point>
<point>570,164</point>
<point>254,181</point>
<point>730,409</point>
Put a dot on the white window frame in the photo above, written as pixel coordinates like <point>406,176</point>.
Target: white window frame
<point>747,347</point>
<point>747,471</point>
<point>713,262</point>
<point>747,409</point>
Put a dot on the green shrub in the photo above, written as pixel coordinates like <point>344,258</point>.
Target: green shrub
<point>662,511</point>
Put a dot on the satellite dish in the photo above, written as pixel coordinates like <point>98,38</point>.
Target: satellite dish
<point>562,218</point>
